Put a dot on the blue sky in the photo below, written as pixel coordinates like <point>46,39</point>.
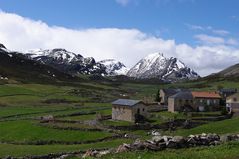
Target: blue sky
<point>165,18</point>
<point>210,25</point>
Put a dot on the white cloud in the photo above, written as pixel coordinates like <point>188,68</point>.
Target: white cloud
<point>123,2</point>
<point>126,45</point>
<point>221,32</point>
<point>195,27</point>
<point>206,39</point>
<point>214,40</point>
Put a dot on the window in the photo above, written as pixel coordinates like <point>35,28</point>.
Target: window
<point>143,109</point>
<point>234,99</point>
<point>215,101</point>
<point>138,111</point>
<point>208,102</point>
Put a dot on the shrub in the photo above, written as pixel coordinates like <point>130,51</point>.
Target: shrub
<point>224,110</point>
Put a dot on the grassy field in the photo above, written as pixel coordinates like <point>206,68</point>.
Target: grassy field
<point>27,150</point>
<point>28,131</point>
<point>225,151</point>
<point>22,105</point>
<point>220,127</point>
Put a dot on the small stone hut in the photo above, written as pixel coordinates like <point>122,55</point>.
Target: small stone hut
<point>127,109</point>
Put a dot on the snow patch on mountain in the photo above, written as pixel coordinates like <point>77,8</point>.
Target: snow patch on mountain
<point>3,48</point>
<point>114,67</point>
<point>157,66</point>
<point>66,61</point>
<point>57,54</point>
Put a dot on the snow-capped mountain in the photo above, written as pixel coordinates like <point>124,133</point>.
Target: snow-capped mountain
<point>60,55</point>
<point>114,67</point>
<point>157,66</point>
<point>3,48</point>
<point>66,61</point>
<point>153,66</point>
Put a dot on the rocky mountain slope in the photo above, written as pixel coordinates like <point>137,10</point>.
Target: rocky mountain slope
<point>157,66</point>
<point>16,66</point>
<point>153,66</point>
<point>230,72</point>
<point>68,62</point>
<point>114,67</point>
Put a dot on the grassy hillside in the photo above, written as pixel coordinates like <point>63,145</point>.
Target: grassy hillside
<point>74,105</point>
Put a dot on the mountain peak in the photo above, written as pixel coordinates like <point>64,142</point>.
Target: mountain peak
<point>157,66</point>
<point>2,46</point>
<point>114,67</point>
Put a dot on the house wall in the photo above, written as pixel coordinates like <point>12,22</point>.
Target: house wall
<point>121,113</point>
<point>143,110</point>
<point>233,102</point>
<point>175,105</point>
<point>213,103</point>
<point>126,113</point>
<point>171,105</point>
<point>163,97</point>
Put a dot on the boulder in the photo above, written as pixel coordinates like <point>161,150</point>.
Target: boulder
<point>171,144</point>
<point>191,141</point>
<point>104,152</point>
<point>225,138</point>
<point>123,148</point>
<point>152,147</point>
<point>180,141</point>
<point>90,153</point>
<point>158,139</point>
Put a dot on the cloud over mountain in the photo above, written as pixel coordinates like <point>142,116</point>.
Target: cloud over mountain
<point>126,45</point>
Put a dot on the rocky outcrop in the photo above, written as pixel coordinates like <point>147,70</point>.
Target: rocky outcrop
<point>158,143</point>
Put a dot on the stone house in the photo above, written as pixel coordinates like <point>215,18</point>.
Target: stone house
<point>180,101</point>
<point>166,93</point>
<point>206,101</point>
<point>127,110</point>
<point>232,103</point>
<point>194,101</point>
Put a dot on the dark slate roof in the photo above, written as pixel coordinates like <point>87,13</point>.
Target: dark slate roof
<point>126,102</point>
<point>170,91</point>
<point>228,90</point>
<point>183,95</point>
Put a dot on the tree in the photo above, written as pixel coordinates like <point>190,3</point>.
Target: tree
<point>158,98</point>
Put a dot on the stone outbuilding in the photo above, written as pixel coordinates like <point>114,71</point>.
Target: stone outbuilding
<point>128,110</point>
<point>232,103</point>
<point>180,102</point>
<point>166,93</point>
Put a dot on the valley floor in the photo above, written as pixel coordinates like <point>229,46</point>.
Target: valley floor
<point>38,119</point>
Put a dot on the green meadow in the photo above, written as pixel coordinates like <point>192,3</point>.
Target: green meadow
<point>76,107</point>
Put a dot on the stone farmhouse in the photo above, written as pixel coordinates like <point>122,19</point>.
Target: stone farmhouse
<point>128,110</point>
<point>232,103</point>
<point>166,93</point>
<point>194,101</point>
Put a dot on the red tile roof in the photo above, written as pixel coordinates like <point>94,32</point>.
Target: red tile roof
<point>206,95</point>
